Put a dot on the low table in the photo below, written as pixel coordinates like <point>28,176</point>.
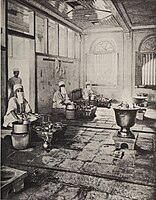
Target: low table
<point>140,101</point>
<point>151,115</point>
<point>86,113</point>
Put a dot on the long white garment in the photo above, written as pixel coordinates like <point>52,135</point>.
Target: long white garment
<point>86,93</point>
<point>59,100</point>
<point>14,105</point>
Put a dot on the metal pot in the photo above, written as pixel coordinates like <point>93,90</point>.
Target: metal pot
<point>125,118</point>
<point>20,127</point>
<point>70,111</point>
<point>70,107</point>
<point>20,141</point>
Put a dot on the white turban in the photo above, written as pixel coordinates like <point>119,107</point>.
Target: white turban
<point>87,83</point>
<point>15,70</point>
<point>17,86</point>
<point>61,83</point>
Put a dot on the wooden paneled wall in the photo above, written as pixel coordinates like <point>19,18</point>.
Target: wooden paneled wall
<point>3,59</point>
<point>3,83</point>
<point>49,72</point>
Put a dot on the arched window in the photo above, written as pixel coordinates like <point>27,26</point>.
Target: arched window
<point>102,47</point>
<point>146,62</point>
<point>102,63</point>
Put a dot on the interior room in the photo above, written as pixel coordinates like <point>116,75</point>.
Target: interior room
<point>78,99</point>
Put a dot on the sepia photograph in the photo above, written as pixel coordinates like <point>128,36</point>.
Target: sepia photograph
<point>78,100</point>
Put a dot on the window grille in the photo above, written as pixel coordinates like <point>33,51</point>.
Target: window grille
<point>145,73</point>
<point>102,64</point>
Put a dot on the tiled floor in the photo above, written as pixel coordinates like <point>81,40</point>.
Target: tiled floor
<point>84,165</point>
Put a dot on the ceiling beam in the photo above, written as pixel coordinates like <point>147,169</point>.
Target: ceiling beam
<point>122,11</point>
<point>70,1</point>
<point>144,27</point>
<point>101,28</point>
<point>119,16</point>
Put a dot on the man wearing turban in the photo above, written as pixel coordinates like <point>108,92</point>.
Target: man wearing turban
<point>13,81</point>
<point>60,98</point>
<point>88,92</point>
<point>17,106</point>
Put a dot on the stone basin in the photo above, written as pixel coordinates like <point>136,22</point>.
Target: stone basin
<point>6,175</point>
<point>12,180</point>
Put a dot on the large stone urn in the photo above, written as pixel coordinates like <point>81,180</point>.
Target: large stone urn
<point>125,118</point>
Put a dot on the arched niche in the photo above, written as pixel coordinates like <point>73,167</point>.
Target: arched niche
<point>148,44</point>
<point>145,72</point>
<point>101,46</point>
<point>102,61</point>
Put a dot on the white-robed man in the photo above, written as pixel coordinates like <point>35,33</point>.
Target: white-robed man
<point>87,92</point>
<point>60,98</point>
<point>18,107</point>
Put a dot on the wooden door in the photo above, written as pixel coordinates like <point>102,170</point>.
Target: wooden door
<point>45,84</point>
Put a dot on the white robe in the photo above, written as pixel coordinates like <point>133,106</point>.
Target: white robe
<point>14,105</point>
<point>86,93</point>
<point>59,100</point>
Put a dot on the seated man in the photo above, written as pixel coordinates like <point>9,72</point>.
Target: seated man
<point>60,98</point>
<point>88,92</point>
<point>18,108</point>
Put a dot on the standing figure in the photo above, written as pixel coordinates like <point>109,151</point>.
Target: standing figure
<point>87,92</point>
<point>18,107</point>
<point>60,98</point>
<point>13,81</point>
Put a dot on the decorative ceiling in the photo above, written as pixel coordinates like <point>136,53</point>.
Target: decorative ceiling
<point>87,13</point>
<point>84,13</point>
<point>140,12</point>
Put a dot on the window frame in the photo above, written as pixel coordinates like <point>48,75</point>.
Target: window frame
<point>146,46</point>
<point>56,38</point>
<point>45,40</point>
<point>18,32</point>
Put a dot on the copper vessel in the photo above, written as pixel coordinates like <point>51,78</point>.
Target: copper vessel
<point>125,118</point>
